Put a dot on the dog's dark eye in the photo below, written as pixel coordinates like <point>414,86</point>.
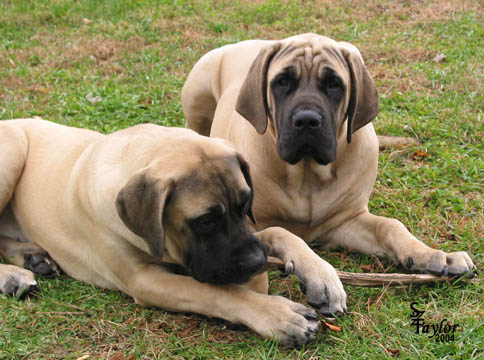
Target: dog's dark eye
<point>245,207</point>
<point>245,203</point>
<point>206,224</point>
<point>283,81</point>
<point>332,86</point>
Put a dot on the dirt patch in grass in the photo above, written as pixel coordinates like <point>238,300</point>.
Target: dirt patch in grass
<point>402,13</point>
<point>98,49</point>
<point>9,89</point>
<point>193,37</point>
<point>399,56</point>
<point>396,73</point>
<point>12,82</point>
<point>391,79</point>
<point>470,80</point>
<point>57,51</point>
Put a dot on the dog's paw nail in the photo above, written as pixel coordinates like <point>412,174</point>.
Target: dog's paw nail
<point>311,332</point>
<point>22,292</point>
<point>289,267</point>
<point>445,271</point>
<point>311,316</point>
<point>339,313</point>
<point>473,273</point>
<point>314,329</point>
<point>317,305</point>
<point>302,286</point>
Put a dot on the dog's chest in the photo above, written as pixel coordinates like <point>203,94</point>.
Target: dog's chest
<point>309,194</point>
<point>303,198</point>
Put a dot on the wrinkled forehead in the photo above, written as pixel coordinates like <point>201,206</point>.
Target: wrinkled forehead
<point>215,183</point>
<point>310,55</point>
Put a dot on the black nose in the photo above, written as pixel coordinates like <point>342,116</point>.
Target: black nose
<point>253,262</point>
<point>306,119</point>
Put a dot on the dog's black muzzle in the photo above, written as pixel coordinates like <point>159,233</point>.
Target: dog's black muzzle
<point>307,132</point>
<point>230,266</point>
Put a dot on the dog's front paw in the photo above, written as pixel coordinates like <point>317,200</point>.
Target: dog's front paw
<point>16,281</point>
<point>320,283</point>
<point>290,323</point>
<point>441,263</point>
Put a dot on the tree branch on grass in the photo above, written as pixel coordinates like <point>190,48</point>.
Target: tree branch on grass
<point>372,279</point>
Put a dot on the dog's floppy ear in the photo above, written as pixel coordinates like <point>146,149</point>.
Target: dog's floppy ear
<point>252,101</point>
<point>364,101</point>
<point>244,166</point>
<point>140,204</point>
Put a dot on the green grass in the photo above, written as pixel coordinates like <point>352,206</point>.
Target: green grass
<point>134,56</point>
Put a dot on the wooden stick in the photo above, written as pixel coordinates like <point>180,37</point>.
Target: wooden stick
<point>378,279</point>
<point>373,279</point>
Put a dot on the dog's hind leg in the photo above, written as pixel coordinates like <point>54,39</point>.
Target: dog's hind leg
<point>17,281</point>
<point>200,93</point>
<point>27,255</point>
<point>14,148</point>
